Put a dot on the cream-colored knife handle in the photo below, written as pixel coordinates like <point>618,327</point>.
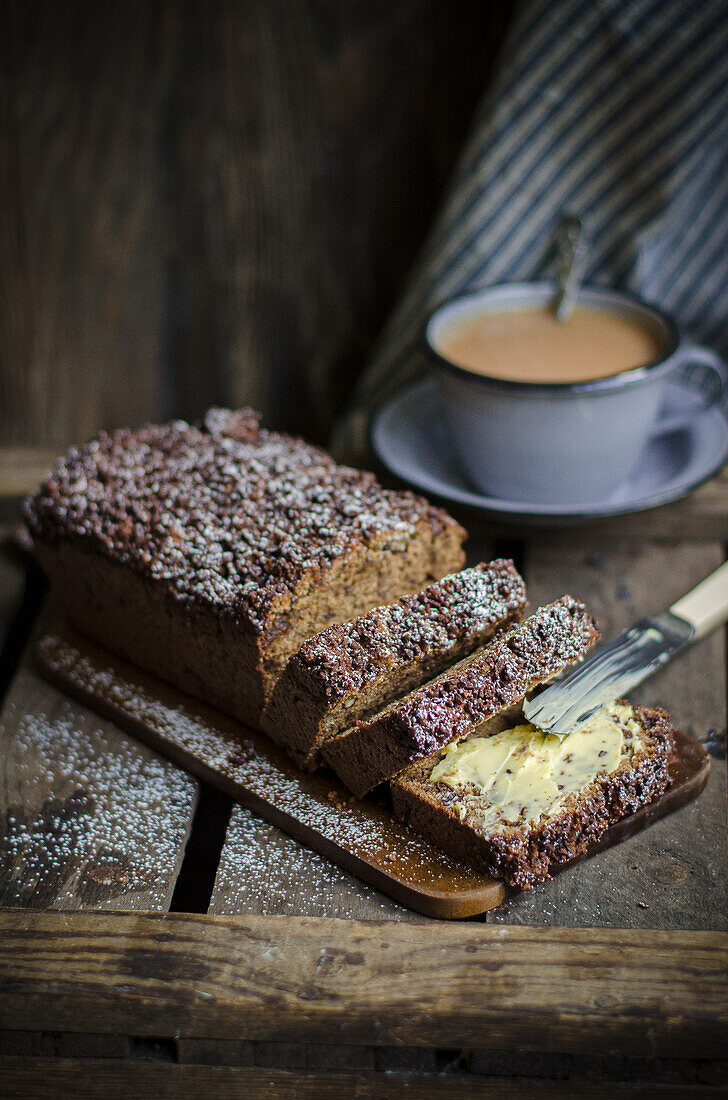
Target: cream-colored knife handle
<point>707,605</point>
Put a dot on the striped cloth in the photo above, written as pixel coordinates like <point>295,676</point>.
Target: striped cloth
<point>616,110</point>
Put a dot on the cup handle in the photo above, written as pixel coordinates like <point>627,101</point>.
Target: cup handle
<point>691,359</point>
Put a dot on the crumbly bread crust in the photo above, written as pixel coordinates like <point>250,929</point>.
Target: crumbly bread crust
<point>226,515</point>
<point>351,670</point>
<point>224,525</point>
<point>453,704</point>
<point>523,855</point>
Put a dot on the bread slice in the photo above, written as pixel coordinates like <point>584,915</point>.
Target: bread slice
<point>485,825</point>
<point>346,673</point>
<point>450,707</point>
<point>207,553</point>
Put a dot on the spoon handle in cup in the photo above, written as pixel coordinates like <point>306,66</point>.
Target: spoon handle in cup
<point>572,251</point>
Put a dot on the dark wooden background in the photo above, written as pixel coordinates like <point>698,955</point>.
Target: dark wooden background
<point>216,202</point>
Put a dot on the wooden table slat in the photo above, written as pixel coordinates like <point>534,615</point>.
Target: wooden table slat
<point>675,874</point>
<point>701,516</point>
<point>298,979</point>
<point>90,818</point>
<point>40,1079</point>
<point>262,870</point>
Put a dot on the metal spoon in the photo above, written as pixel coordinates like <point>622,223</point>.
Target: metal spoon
<point>572,248</point>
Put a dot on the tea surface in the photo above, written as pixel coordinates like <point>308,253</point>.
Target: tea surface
<point>530,345</point>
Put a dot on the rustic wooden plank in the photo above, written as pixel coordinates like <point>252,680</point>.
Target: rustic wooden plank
<point>701,515</point>
<point>314,208</point>
<point>90,818</point>
<point>675,874</point>
<point>83,227</point>
<point>262,870</point>
<point>34,1044</point>
<point>582,1070</point>
<point>207,205</point>
<point>61,1078</point>
<point>296,979</point>
<point>215,1052</point>
<point>587,1070</point>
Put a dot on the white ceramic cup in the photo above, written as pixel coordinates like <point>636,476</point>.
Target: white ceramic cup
<point>559,442</point>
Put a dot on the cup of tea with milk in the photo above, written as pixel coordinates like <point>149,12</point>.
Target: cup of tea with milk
<point>551,404</point>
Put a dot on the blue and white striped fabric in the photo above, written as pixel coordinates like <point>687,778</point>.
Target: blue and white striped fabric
<point>616,110</point>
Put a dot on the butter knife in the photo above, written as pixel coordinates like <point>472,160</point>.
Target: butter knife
<point>615,667</point>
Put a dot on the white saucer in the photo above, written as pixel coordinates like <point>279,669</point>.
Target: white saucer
<point>688,446</point>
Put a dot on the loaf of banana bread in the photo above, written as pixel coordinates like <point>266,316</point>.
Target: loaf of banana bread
<point>347,672</point>
<point>514,802</point>
<point>207,553</point>
<point>452,705</point>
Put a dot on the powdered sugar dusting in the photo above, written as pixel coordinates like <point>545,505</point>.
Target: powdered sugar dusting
<point>264,871</point>
<point>227,517</point>
<point>92,819</point>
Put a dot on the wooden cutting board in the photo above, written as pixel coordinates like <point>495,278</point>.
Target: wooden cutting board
<point>316,809</point>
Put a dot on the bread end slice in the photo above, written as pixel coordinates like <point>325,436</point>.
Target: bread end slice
<point>459,820</point>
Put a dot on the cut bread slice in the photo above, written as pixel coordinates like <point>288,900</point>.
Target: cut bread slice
<point>452,705</point>
<point>345,673</point>
<point>513,802</point>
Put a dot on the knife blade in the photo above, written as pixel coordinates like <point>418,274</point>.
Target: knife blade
<point>614,668</point>
<point>609,673</point>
